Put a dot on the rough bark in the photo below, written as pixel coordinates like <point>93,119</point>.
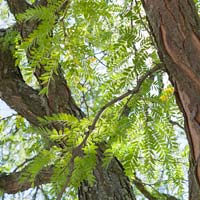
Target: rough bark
<point>12,184</point>
<point>142,188</point>
<point>111,183</point>
<point>175,25</point>
<point>13,90</point>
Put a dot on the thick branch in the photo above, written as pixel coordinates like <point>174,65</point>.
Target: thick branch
<point>18,6</point>
<point>141,187</point>
<point>27,102</point>
<point>119,98</point>
<point>41,2</point>
<point>59,97</point>
<point>13,90</point>
<point>12,183</point>
<point>7,179</point>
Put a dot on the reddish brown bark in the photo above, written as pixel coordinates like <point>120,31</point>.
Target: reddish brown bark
<point>175,25</point>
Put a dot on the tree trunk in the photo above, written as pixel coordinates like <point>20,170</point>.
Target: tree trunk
<point>111,183</point>
<point>175,25</point>
<point>194,192</point>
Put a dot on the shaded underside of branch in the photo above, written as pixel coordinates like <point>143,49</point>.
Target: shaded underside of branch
<point>18,6</point>
<point>13,183</point>
<point>13,90</point>
<point>142,188</point>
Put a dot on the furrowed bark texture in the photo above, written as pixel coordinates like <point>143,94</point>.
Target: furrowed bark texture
<point>176,28</point>
<point>111,183</point>
<point>13,90</point>
<point>12,184</point>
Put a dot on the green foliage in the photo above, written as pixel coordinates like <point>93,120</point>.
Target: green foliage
<point>73,132</point>
<point>43,159</point>
<point>60,173</point>
<point>8,40</point>
<point>17,139</point>
<point>83,167</point>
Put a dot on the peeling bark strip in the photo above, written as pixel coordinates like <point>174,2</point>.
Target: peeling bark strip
<point>176,28</point>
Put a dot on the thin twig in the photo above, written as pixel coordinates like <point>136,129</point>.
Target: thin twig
<point>101,61</point>
<point>44,193</point>
<point>117,99</point>
<point>176,124</point>
<point>131,8</point>
<point>84,98</point>
<point>144,25</point>
<point>22,164</point>
<point>141,186</point>
<point>65,4</point>
<point>76,151</point>
<point>35,194</point>
<point>86,104</point>
<point>8,117</point>
<point>67,180</point>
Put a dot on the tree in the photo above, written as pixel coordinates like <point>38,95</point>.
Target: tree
<point>94,116</point>
<point>175,26</point>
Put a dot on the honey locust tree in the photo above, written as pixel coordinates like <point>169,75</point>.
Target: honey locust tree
<point>95,116</point>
